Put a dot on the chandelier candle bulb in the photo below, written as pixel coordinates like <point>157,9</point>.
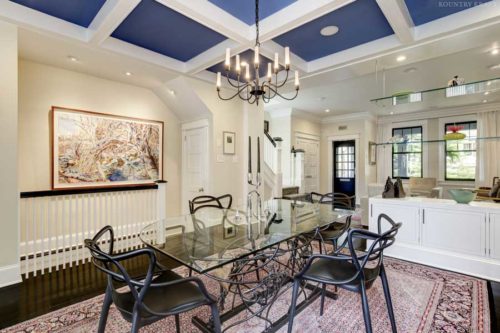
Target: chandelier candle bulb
<point>276,62</point>
<point>287,57</point>
<point>256,56</point>
<point>269,71</point>
<point>296,79</point>
<point>228,58</point>
<point>238,66</point>
<point>247,72</point>
<point>218,80</point>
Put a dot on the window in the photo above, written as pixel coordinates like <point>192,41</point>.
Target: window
<point>344,159</point>
<point>460,155</point>
<point>407,154</point>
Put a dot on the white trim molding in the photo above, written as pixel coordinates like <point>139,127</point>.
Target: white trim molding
<point>10,275</point>
<point>349,117</point>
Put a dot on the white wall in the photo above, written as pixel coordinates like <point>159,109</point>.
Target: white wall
<point>42,86</point>
<point>9,193</point>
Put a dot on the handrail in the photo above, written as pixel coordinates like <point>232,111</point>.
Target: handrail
<point>270,138</point>
<point>70,191</point>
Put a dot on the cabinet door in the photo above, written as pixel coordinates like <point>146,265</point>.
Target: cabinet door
<point>494,234</point>
<point>408,215</point>
<point>458,231</point>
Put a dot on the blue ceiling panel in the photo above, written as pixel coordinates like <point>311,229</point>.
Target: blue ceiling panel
<point>247,56</point>
<point>80,12</point>
<point>158,28</point>
<point>424,11</point>
<point>359,22</point>
<point>245,9</point>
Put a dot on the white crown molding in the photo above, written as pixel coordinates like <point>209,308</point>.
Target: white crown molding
<point>280,113</point>
<point>213,56</point>
<point>399,18</point>
<point>439,113</point>
<point>10,275</point>
<point>306,115</point>
<point>348,117</point>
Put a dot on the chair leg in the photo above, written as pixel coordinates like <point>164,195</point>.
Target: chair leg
<point>295,293</point>
<point>320,243</point>
<point>216,318</point>
<point>190,272</point>
<point>366,309</point>
<point>323,293</point>
<point>177,324</point>
<point>135,321</point>
<point>105,311</point>
<point>388,301</point>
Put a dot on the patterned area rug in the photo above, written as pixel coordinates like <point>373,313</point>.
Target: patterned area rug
<point>425,300</point>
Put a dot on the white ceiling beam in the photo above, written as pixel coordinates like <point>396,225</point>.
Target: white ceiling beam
<point>295,15</point>
<point>473,18</point>
<point>396,13</point>
<point>211,16</point>
<point>136,52</point>
<point>111,15</point>
<point>32,19</point>
<point>214,55</point>
<point>269,48</point>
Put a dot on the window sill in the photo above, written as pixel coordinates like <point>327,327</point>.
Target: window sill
<point>468,183</point>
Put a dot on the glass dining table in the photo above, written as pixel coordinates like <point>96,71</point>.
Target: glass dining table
<point>251,258</point>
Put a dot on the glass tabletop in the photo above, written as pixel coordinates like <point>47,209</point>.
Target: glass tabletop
<point>214,237</point>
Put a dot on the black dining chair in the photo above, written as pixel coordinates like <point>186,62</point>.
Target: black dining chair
<point>149,298</point>
<point>204,201</point>
<point>336,199</point>
<point>351,271</point>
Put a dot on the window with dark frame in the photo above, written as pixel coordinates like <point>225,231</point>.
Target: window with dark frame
<point>407,158</point>
<point>460,155</point>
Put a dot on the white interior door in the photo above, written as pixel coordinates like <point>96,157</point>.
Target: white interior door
<point>195,164</point>
<point>311,163</point>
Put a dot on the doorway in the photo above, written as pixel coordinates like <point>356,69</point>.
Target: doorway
<point>195,147</point>
<point>344,167</point>
<point>310,145</point>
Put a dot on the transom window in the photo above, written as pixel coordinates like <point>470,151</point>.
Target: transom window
<point>460,155</point>
<point>407,152</point>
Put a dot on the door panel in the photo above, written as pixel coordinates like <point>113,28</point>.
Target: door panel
<point>195,170</point>
<point>344,167</point>
<point>408,215</point>
<point>311,163</point>
<point>494,233</point>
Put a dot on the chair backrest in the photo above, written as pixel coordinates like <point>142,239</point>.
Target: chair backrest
<point>204,201</point>
<point>109,263</point>
<point>337,200</point>
<point>380,242</point>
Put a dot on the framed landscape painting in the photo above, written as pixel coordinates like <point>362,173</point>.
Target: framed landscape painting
<point>92,149</point>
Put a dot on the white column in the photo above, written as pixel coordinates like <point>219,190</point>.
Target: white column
<point>9,193</point>
<point>278,189</point>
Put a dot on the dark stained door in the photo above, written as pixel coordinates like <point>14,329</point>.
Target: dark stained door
<point>344,168</point>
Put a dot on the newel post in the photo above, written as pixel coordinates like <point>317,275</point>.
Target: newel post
<point>278,189</point>
<point>161,210</point>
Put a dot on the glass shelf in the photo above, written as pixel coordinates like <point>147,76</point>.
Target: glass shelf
<point>435,141</point>
<point>470,93</point>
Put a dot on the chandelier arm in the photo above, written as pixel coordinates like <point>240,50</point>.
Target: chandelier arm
<point>287,98</point>
<point>233,96</point>
<point>284,81</point>
<point>271,88</point>
<point>230,81</point>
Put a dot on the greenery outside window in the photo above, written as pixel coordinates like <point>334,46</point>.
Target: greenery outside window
<point>460,155</point>
<point>407,160</point>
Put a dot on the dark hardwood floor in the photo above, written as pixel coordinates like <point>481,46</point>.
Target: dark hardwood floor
<point>45,293</point>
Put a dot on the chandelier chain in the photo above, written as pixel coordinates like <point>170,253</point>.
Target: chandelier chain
<point>257,39</point>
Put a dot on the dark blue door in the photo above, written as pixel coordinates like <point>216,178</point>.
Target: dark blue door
<point>344,168</point>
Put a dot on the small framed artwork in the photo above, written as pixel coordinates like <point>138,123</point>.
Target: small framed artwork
<point>229,143</point>
<point>372,151</point>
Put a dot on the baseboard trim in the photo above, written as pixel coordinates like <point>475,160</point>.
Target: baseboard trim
<point>10,275</point>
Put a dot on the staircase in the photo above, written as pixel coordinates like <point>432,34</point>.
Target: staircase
<point>272,172</point>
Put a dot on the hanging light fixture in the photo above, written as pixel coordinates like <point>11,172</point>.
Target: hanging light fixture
<point>252,90</point>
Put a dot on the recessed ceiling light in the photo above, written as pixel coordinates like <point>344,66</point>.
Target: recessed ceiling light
<point>392,112</point>
<point>401,58</point>
<point>487,93</point>
<point>327,110</point>
<point>485,100</point>
<point>494,51</point>
<point>128,73</point>
<point>410,70</point>
<point>488,83</point>
<point>72,58</point>
<point>329,30</point>
<point>171,92</point>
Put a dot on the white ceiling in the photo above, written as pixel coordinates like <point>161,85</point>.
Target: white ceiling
<point>343,82</point>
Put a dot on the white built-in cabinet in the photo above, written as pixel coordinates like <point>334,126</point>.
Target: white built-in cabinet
<point>442,233</point>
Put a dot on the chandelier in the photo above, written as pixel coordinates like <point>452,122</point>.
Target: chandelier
<point>252,89</point>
